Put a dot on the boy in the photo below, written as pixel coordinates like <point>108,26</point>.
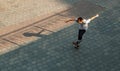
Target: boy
<point>83,26</point>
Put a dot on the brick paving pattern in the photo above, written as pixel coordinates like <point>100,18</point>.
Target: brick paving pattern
<point>52,50</point>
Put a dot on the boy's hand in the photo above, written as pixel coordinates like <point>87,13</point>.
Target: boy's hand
<point>66,21</point>
<point>72,19</point>
<point>97,15</point>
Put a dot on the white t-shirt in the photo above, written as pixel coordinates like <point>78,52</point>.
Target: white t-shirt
<point>85,25</point>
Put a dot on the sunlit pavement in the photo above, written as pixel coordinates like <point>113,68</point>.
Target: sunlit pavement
<point>52,49</point>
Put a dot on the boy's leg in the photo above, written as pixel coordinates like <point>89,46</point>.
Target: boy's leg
<point>80,35</point>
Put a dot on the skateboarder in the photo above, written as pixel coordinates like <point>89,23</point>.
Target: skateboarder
<point>83,26</point>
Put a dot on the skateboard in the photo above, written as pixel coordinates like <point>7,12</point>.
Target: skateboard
<point>75,45</point>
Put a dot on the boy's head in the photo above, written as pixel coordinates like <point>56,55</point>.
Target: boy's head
<point>80,20</point>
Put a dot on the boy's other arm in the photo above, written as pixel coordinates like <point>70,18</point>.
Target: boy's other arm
<point>92,18</point>
<point>72,19</point>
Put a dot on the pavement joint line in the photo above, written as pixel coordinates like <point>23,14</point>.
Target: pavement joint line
<point>11,41</point>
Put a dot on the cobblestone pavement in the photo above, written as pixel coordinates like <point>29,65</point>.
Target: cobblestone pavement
<point>52,50</point>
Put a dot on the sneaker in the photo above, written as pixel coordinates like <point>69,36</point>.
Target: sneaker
<point>76,45</point>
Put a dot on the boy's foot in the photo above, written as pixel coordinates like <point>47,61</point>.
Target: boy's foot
<point>76,45</point>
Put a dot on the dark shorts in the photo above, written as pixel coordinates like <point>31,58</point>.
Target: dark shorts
<point>80,34</point>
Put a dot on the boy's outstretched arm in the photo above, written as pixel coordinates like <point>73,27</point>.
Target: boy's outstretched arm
<point>72,19</point>
<point>92,18</point>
